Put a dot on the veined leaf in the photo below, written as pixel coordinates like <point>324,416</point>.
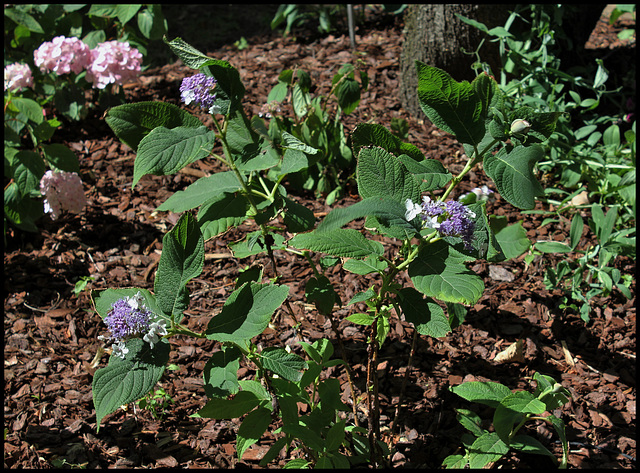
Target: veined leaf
<point>439,272</point>
<point>343,242</point>
<point>484,392</point>
<point>182,259</point>
<point>424,313</point>
<point>126,380</point>
<point>286,365</point>
<point>165,151</point>
<point>253,426</point>
<point>512,173</point>
<point>221,373</point>
<point>486,449</point>
<point>381,174</point>
<point>133,121</point>
<point>201,191</point>
<point>452,106</point>
<point>246,313</point>
<point>221,213</point>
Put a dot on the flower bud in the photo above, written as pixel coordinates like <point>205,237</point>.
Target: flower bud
<point>520,126</point>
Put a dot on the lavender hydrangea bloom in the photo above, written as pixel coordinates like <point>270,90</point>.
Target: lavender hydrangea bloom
<point>129,318</point>
<point>450,218</point>
<point>198,88</point>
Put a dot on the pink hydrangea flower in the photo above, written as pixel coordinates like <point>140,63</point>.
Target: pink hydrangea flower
<point>113,62</point>
<point>62,191</point>
<point>16,76</point>
<point>62,55</point>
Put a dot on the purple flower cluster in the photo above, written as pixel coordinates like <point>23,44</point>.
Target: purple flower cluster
<point>129,318</point>
<point>451,218</point>
<point>199,89</point>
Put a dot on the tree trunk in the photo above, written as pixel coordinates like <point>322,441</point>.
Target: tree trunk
<point>435,36</point>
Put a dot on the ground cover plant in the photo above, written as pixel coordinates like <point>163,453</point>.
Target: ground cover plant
<point>327,447</point>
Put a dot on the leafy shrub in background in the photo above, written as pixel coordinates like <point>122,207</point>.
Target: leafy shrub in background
<point>590,157</point>
<point>54,56</point>
<point>331,168</point>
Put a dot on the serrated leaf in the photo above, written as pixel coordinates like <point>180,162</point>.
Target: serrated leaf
<point>452,106</point>
<point>221,373</point>
<point>381,174</point>
<point>373,134</point>
<point>132,122</point>
<point>239,405</point>
<point>512,239</point>
<point>511,411</point>
<point>486,449</point>
<point>253,426</point>
<point>439,272</point>
<point>366,266</point>
<point>343,242</point>
<point>182,259</point>
<point>430,173</point>
<point>129,379</point>
<point>512,172</point>
<point>286,365</point>
<point>221,213</point>
<point>165,151</point>
<point>484,392</point>
<point>246,313</point>
<point>361,319</point>
<point>389,212</point>
<point>425,314</point>
<point>201,191</point>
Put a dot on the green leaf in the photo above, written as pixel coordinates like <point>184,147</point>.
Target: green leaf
<point>388,212</point>
<point>470,421</point>
<point>165,151</point>
<point>182,259</point>
<point>125,12</point>
<point>424,313</point>
<point>286,365</point>
<point>381,174</point>
<point>361,319</point>
<point>439,272</point>
<point>368,134</point>
<point>575,234</point>
<point>527,444</point>
<point>24,19</point>
<point>320,291</point>
<point>486,449</point>
<point>246,313</point>
<point>335,436</point>
<point>484,392</point>
<point>343,242</point>
<point>366,266</point>
<point>30,108</point>
<point>221,213</point>
<point>298,218</point>
<point>253,426</point>
<point>204,189</point>
<point>129,379</point>
<point>239,405</point>
<point>511,411</point>
<point>452,106</point>
<point>552,247</point>
<point>512,173</point>
<point>430,173</point>
<point>28,173</point>
<point>512,238</point>
<point>254,243</point>
<point>61,158</point>
<point>132,122</point>
<point>221,372</point>
<point>348,93</point>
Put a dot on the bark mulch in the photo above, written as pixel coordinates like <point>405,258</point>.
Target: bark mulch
<point>51,349</point>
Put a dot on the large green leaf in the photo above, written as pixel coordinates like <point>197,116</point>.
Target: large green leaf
<point>512,172</point>
<point>246,313</point>
<point>165,151</point>
<point>389,212</point>
<point>221,213</point>
<point>368,134</point>
<point>253,426</point>
<point>221,372</point>
<point>133,121</point>
<point>430,173</point>
<point>484,392</point>
<point>182,259</point>
<point>380,173</point>
<point>286,365</point>
<point>126,380</point>
<point>203,190</point>
<point>343,242</point>
<point>425,314</point>
<point>452,106</point>
<point>486,449</point>
<point>439,272</point>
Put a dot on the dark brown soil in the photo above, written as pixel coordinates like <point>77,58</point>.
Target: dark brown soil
<point>50,337</point>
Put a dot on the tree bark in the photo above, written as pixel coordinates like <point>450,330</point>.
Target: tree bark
<point>435,36</point>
